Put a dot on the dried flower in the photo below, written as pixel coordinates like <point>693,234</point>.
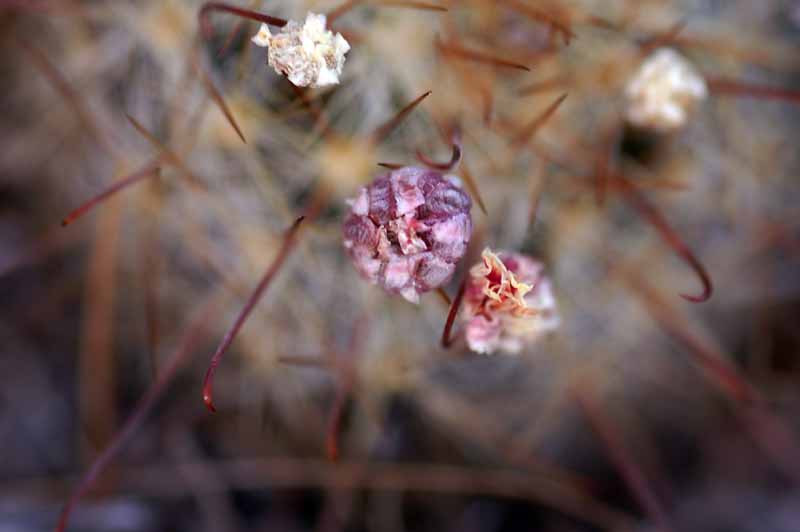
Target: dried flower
<point>663,91</point>
<point>408,229</point>
<point>508,302</point>
<point>309,55</point>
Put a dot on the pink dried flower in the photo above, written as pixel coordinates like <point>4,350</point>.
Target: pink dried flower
<point>407,230</point>
<point>508,302</point>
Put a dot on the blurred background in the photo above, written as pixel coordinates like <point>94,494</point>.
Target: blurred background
<point>643,411</point>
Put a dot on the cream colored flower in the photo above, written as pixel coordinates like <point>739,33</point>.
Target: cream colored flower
<point>309,55</point>
<point>663,92</point>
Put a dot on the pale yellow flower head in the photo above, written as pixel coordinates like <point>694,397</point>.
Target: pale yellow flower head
<point>663,92</point>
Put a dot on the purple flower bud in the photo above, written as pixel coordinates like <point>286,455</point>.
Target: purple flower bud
<point>408,229</point>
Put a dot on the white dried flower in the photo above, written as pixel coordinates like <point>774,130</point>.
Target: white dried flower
<point>309,55</point>
<point>508,303</point>
<point>663,92</point>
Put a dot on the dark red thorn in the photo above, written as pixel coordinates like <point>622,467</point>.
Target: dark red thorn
<point>166,152</point>
<point>425,6</point>
<point>288,244</point>
<point>662,39</point>
<point>383,131</point>
<point>444,167</point>
<point>142,409</point>
<point>391,166</point>
<point>472,186</point>
<point>341,10</point>
<point>447,339</point>
<point>234,32</point>
<point>149,170</point>
<point>600,22</point>
<point>652,215</point>
<point>467,54</point>
<point>630,471</point>
<point>601,184</point>
<point>208,7</point>
<point>730,87</point>
<point>536,124</point>
<point>319,201</point>
<point>488,105</point>
<point>335,422</point>
<point>216,96</point>
<point>454,159</point>
<point>543,86</point>
<point>534,14</point>
<point>347,6</point>
<point>602,165</point>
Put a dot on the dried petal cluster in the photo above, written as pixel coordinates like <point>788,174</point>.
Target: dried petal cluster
<point>508,303</point>
<point>407,230</point>
<point>309,55</point>
<point>662,93</point>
